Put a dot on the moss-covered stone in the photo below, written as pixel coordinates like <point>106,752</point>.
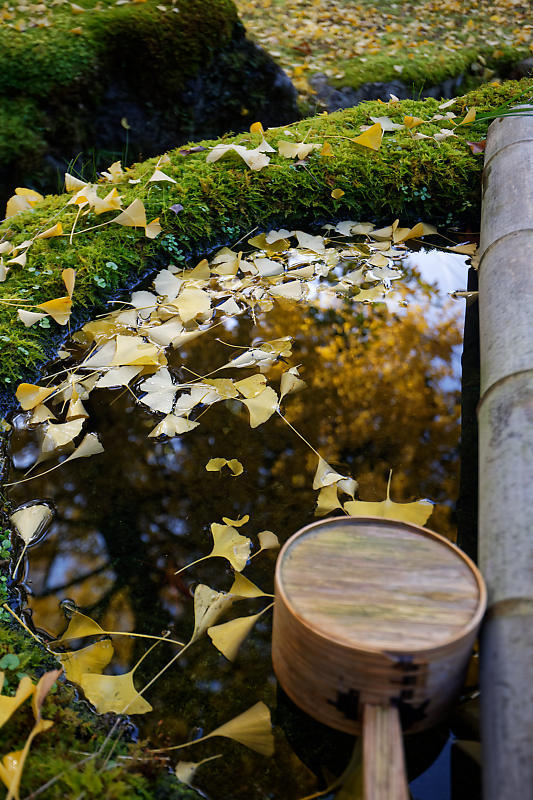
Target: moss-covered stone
<point>407,178</point>
<point>133,80</point>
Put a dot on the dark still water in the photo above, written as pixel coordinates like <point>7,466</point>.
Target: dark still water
<point>382,394</point>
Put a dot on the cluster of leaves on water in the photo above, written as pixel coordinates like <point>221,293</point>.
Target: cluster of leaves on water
<point>400,156</point>
<point>126,350</point>
<point>419,43</point>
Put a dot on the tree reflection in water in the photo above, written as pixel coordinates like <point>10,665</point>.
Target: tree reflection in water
<point>379,397</point>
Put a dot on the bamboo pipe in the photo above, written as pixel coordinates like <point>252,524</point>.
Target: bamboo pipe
<point>505,414</point>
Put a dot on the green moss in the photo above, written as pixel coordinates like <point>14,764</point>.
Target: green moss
<point>407,178</point>
<point>61,752</point>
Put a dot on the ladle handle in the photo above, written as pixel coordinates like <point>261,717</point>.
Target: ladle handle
<point>384,775</point>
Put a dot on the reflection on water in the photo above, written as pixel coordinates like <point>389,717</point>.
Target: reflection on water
<point>382,394</point>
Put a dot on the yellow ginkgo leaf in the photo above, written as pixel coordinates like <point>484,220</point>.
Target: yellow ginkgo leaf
<point>59,434</point>
<point>133,350</point>
<point>229,636</point>
<point>15,205</point>
<point>252,728</point>
<point>59,309</point>
<point>30,395</point>
<point>464,249</point>
<point>417,513</point>
<point>191,303</point>
<point>216,465</point>
<point>68,277</point>
<point>237,523</point>
<point>43,686</point>
<point>291,383</point>
<point>371,138</point>
<point>325,475</point>
<point>412,122</point>
<point>268,540</point>
<point>55,230</point>
<point>153,228</point>
<point>470,117</point>
<point>89,446</point>
<point>29,317</point>
<point>160,176</point>
<point>328,500</point>
<point>41,414</point>
<point>73,184</point>
<point>80,626</point>
<point>243,587</point>
<point>173,425</point>
<point>337,194</point>
<point>31,195</point>
<point>229,544</point>
<point>326,150</point>
<point>256,127</point>
<point>134,216</point>
<point>111,202</point>
<point>11,771</point>
<point>10,704</point>
<point>76,409</point>
<point>114,693</point>
<point>298,150</point>
<point>261,407</point>
<point>91,659</point>
<point>209,605</point>
<point>186,770</point>
<point>114,173</point>
<point>30,521</point>
<point>252,386</point>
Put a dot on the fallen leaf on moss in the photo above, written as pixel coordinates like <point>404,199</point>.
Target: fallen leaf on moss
<point>298,150</point>
<point>55,230</point>
<point>160,176</point>
<point>59,309</point>
<point>371,138</point>
<point>8,705</point>
<point>254,159</point>
<point>29,318</point>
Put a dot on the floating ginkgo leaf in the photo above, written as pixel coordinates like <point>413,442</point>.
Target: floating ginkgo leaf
<point>30,395</point>
<point>10,704</point>
<point>216,465</point>
<point>186,770</point>
<point>261,407</point>
<point>191,303</point>
<point>237,523</point>
<point>209,605</point>
<point>91,659</point>
<point>325,475</point>
<point>30,522</point>
<point>80,626</point>
<point>118,376</point>
<point>252,386</point>
<point>160,391</point>
<point>268,540</point>
<point>229,636</point>
<point>89,446</point>
<point>417,513</point>
<point>328,500</point>
<point>244,587</point>
<point>173,425</point>
<point>371,138</point>
<point>114,693</point>
<point>291,383</point>
<point>314,243</point>
<point>252,728</point>
<point>132,350</point>
<point>59,309</point>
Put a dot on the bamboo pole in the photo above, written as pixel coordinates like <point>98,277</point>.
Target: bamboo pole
<point>505,416</point>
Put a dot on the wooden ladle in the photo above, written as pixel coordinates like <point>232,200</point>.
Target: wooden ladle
<point>374,624</point>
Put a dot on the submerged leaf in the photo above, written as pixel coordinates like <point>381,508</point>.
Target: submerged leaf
<point>216,465</point>
<point>186,770</point>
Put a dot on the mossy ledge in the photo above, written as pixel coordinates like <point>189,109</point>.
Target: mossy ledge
<point>58,753</point>
<point>101,81</point>
<point>408,178</point>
